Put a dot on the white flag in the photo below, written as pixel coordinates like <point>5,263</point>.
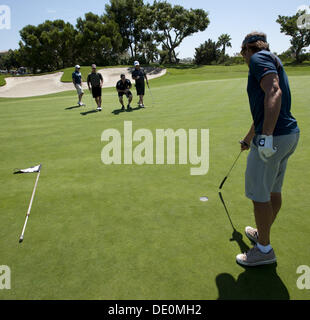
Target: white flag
<point>29,170</point>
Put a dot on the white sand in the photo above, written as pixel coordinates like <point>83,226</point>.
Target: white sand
<point>20,87</point>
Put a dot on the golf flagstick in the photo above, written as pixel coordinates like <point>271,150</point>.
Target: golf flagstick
<point>34,169</point>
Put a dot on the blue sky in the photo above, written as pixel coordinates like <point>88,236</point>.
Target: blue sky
<point>236,18</point>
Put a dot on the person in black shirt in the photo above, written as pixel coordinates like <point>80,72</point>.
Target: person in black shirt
<point>139,75</point>
<point>95,82</point>
<point>123,86</point>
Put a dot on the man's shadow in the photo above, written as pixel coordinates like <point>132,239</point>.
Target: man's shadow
<point>118,111</point>
<point>256,283</point>
<point>88,112</point>
<point>73,107</point>
<point>237,236</point>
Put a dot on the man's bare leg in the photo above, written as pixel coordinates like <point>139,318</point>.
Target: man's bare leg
<point>276,202</point>
<point>129,100</point>
<point>80,97</point>
<point>263,212</point>
<point>121,102</point>
<point>141,100</point>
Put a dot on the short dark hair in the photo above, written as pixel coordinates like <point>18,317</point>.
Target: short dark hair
<point>122,75</point>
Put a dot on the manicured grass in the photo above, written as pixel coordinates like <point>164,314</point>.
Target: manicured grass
<point>2,80</point>
<point>140,232</point>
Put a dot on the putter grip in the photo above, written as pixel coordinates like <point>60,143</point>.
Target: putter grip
<point>221,185</point>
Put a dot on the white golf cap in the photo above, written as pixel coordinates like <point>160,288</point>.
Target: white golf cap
<point>77,67</point>
<point>136,63</point>
<point>93,66</point>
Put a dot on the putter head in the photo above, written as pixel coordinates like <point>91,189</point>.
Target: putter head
<point>21,239</point>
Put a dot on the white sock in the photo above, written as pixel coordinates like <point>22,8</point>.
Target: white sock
<point>264,249</point>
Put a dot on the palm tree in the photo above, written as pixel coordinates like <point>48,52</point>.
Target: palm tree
<point>224,41</point>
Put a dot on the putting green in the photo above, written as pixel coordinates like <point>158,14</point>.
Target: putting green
<point>141,232</point>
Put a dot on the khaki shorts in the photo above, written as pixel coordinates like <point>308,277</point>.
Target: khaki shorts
<point>79,89</point>
<point>263,178</point>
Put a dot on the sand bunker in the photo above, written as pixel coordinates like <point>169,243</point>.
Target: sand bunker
<point>20,87</point>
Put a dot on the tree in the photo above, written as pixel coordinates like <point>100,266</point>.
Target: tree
<point>207,53</point>
<point>30,48</point>
<point>172,24</point>
<point>148,48</point>
<point>300,36</point>
<point>9,60</point>
<point>126,14</point>
<point>48,46</point>
<point>98,40</point>
<point>224,41</point>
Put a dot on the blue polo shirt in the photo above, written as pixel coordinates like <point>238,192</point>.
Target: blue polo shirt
<point>261,64</point>
<point>77,77</point>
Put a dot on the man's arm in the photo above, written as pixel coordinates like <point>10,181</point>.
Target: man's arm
<point>272,107</point>
<point>73,79</point>
<point>88,82</point>
<point>273,101</point>
<point>101,80</point>
<point>129,86</point>
<point>246,142</point>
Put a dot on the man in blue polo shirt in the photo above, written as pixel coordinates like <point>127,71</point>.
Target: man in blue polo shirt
<point>77,82</point>
<point>272,138</point>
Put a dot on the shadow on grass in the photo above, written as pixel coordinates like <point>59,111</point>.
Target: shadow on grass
<point>73,107</point>
<point>88,112</point>
<point>258,283</point>
<point>118,111</point>
<point>237,236</point>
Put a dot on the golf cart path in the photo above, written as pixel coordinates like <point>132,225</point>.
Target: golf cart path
<point>21,87</point>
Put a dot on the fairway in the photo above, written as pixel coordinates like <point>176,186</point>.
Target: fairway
<point>140,232</point>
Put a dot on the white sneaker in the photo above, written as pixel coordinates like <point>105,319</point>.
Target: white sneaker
<point>99,108</point>
<point>254,257</point>
<point>252,234</point>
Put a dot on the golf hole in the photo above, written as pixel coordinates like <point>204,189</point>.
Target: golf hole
<point>204,199</point>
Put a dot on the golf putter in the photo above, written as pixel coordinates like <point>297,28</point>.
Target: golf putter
<point>222,184</point>
<point>150,93</point>
<point>224,180</point>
